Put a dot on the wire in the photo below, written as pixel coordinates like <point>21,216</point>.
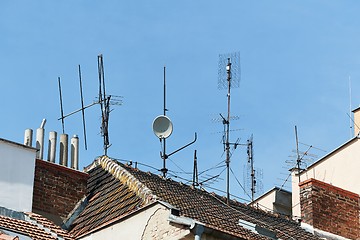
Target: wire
<point>216,189</point>
<point>215,167</point>
<point>239,183</point>
<point>183,171</point>
<point>282,186</point>
<point>175,176</point>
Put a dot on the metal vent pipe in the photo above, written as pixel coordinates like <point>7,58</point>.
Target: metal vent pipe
<point>28,137</point>
<point>52,146</point>
<point>75,152</point>
<point>64,141</point>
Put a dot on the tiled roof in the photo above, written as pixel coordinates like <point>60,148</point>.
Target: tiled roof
<point>108,199</point>
<point>34,226</point>
<point>47,224</point>
<point>25,228</point>
<point>111,198</point>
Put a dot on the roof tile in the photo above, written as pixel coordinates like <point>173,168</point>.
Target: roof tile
<point>116,197</point>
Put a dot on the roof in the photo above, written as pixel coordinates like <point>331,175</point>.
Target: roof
<point>34,226</point>
<point>116,190</point>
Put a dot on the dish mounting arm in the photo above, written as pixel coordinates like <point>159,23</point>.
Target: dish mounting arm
<point>165,156</point>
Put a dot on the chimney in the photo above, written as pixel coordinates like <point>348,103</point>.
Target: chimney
<point>64,139</point>
<point>28,137</point>
<point>52,146</point>
<point>75,152</point>
<point>40,140</point>
<point>356,112</point>
<point>329,208</point>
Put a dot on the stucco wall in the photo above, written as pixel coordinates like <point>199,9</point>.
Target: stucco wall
<point>16,176</point>
<point>158,227</point>
<point>149,224</point>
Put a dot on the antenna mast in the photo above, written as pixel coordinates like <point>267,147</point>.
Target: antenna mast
<point>298,159</point>
<point>227,124</point>
<point>195,182</point>
<point>251,162</point>
<point>164,169</point>
<point>103,100</point>
<point>162,127</point>
<point>228,79</point>
<point>61,107</point>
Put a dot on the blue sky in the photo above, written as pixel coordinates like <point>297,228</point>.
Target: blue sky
<point>296,60</point>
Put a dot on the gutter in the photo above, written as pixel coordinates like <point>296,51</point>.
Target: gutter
<point>197,227</point>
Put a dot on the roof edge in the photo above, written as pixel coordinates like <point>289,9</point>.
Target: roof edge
<point>125,177</point>
<point>18,144</point>
<point>330,153</point>
<point>275,188</point>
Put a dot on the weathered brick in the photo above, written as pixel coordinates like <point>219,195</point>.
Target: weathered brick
<point>57,189</point>
<point>330,208</point>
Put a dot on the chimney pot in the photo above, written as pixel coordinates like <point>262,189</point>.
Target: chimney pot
<point>52,146</point>
<point>64,139</point>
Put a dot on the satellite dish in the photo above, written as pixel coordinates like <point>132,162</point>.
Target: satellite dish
<point>162,126</point>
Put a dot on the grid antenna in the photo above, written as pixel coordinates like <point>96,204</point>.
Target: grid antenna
<point>228,77</point>
<point>224,60</point>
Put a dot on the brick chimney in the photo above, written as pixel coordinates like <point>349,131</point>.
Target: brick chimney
<point>57,190</point>
<point>330,209</point>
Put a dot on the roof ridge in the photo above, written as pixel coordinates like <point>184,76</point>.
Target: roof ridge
<point>127,178</point>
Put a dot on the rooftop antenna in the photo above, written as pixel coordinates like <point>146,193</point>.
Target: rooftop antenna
<point>82,107</point>
<point>251,162</point>
<point>195,181</point>
<point>61,107</point>
<point>228,77</point>
<point>298,159</point>
<point>104,100</point>
<point>163,128</point>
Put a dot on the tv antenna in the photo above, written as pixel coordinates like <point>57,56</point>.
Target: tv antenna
<point>251,162</point>
<point>195,181</point>
<point>228,77</point>
<point>253,174</point>
<point>163,128</point>
<point>104,100</point>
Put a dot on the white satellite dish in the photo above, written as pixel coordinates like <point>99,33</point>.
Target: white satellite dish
<point>162,126</point>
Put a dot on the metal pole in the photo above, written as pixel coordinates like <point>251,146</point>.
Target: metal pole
<point>227,144</point>
<point>61,108</point>
<point>298,160</point>
<point>164,169</point>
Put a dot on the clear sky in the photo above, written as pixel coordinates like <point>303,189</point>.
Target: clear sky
<point>296,61</point>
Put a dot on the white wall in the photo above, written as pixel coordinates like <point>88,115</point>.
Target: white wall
<point>150,223</point>
<point>266,203</point>
<point>340,168</point>
<point>16,176</point>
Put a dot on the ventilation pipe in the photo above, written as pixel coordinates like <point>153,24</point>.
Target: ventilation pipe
<point>64,139</point>
<point>75,152</point>
<point>40,140</point>
<point>28,137</point>
<point>52,147</point>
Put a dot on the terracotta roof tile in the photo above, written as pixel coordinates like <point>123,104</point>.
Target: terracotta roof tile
<point>108,199</point>
<point>51,226</point>
<point>111,198</point>
<point>25,228</point>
